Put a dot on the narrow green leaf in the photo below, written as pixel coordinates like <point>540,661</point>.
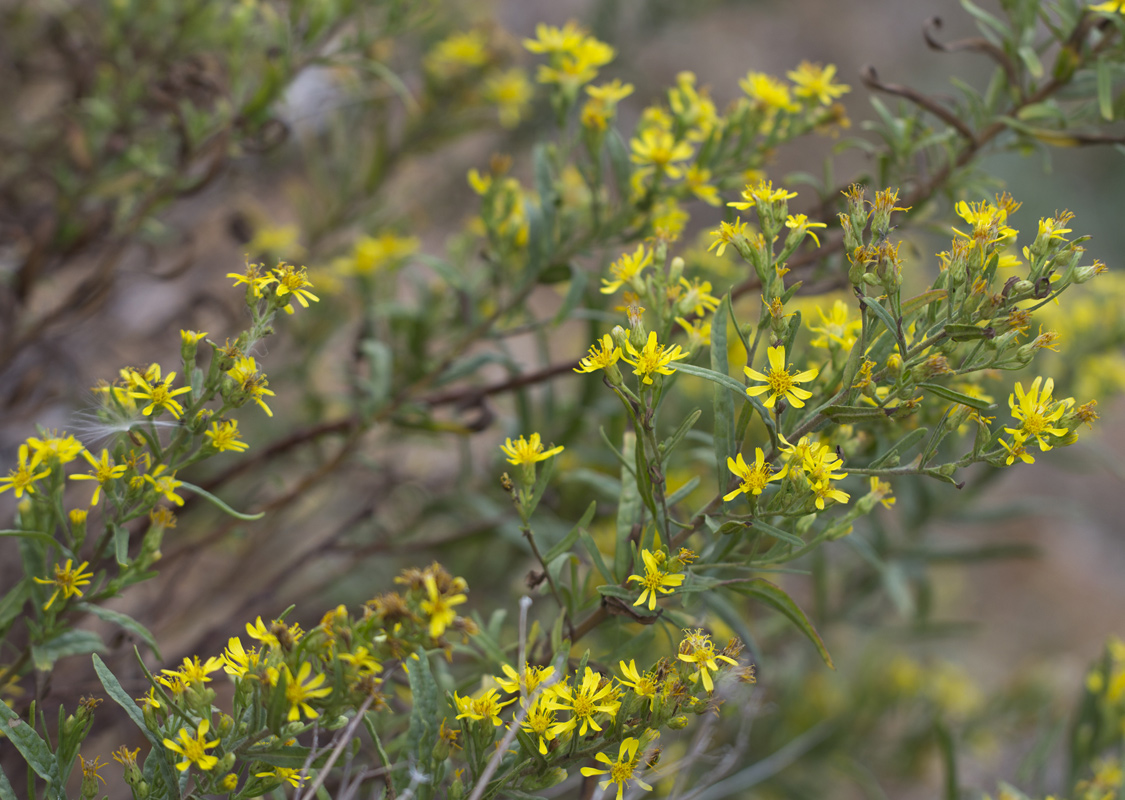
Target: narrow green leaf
<point>67,643</point>
<point>12,603</point>
<point>574,293</point>
<point>888,321</point>
<point>715,377</point>
<point>946,393</point>
<point>595,555</point>
<point>121,697</point>
<point>567,542</point>
<point>669,444</point>
<point>776,533</point>
<point>220,504</point>
<point>34,750</point>
<point>848,414</point>
<point>544,184</point>
<point>34,536</point>
<point>1105,89</point>
<point>120,545</point>
<point>126,622</point>
<point>723,404</point>
<point>628,511</point>
<point>900,447</point>
<point>619,162</point>
<point>774,596</point>
<point>6,791</point>
<point>614,590</point>
<point>948,760</point>
<point>968,333</point>
<point>683,491</point>
<point>424,713</point>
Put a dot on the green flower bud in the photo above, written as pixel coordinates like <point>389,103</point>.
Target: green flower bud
<point>678,723</point>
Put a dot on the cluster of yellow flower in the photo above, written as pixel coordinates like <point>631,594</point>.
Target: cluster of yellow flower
<point>290,677</point>
<point>555,709</point>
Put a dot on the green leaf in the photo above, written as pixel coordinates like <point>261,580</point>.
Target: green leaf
<point>1105,89</point>
<point>67,643</point>
<point>683,491</point>
<point>776,533</point>
<point>220,504</point>
<point>544,184</point>
<point>774,596</point>
<point>669,444</point>
<point>12,603</point>
<point>619,162</point>
<point>34,536</point>
<point>849,414</point>
<point>568,541</point>
<point>720,378</point>
<point>126,622</point>
<point>888,321</point>
<point>120,545</point>
<point>628,511</point>
<point>121,697</point>
<point>574,293</point>
<point>946,393</point>
<point>34,750</point>
<point>968,333</point>
<point>424,713</point>
<point>595,555</point>
<point>6,791</point>
<point>723,404</point>
<point>614,590</point>
<point>901,446</point>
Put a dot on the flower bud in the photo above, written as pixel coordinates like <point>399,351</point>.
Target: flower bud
<point>225,763</point>
<point>678,723</point>
<point>675,270</point>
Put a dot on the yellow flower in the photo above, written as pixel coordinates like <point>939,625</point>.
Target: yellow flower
<point>66,581</point>
<point>295,282</point>
<point>600,359</point>
<point>697,648</point>
<point>194,748</point>
<point>237,660</point>
<point>528,451</point>
<point>654,580</point>
<point>762,193</point>
<point>836,328</point>
<point>251,382</point>
<point>277,240</point>
<point>300,689</point>
<point>511,93</point>
<point>550,39</point>
<point>440,608</point>
<point>626,269</point>
<point>1110,7</point>
<point>1036,410</point>
<point>769,92</point>
<point>256,278</point>
<point>653,359</point>
<point>283,775</point>
<point>540,720</point>
<point>165,484</point>
<point>457,53</point>
<point>643,685</point>
<point>813,80</point>
<point>159,394</point>
<point>697,297</point>
<point>63,449</point>
<point>660,149</point>
<point>753,480</point>
<point>485,707</point>
<point>620,771</point>
<point>225,436</point>
<point>780,382</point>
<point>726,234</point>
<point>530,680</point>
<point>24,477</point>
<point>375,253</point>
<point>594,696</point>
<point>800,226</point>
